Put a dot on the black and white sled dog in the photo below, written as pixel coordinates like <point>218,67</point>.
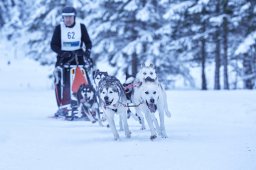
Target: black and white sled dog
<point>97,76</point>
<point>151,98</point>
<point>88,105</point>
<point>129,86</point>
<point>114,102</point>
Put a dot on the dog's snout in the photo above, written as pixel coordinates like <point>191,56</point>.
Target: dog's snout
<point>106,98</point>
<point>152,100</point>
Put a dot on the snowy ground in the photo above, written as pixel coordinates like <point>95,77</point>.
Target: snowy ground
<point>209,130</point>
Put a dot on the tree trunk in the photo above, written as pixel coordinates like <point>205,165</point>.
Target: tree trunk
<point>225,48</point>
<point>217,53</point>
<point>203,54</point>
<point>204,82</point>
<point>248,72</point>
<point>134,64</point>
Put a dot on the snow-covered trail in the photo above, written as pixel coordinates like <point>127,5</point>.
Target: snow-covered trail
<point>208,130</point>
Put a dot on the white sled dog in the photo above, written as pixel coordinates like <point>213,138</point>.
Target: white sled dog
<point>113,101</point>
<point>151,98</point>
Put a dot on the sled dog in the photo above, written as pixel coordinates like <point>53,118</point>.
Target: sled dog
<point>88,105</point>
<point>147,73</point>
<point>151,98</point>
<point>114,102</point>
<point>129,86</point>
<point>97,76</point>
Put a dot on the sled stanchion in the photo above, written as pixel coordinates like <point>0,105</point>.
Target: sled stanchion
<point>61,83</point>
<point>76,58</point>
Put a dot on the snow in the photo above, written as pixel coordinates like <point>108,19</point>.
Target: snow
<point>246,44</point>
<point>208,130</point>
<point>143,14</point>
<point>131,6</point>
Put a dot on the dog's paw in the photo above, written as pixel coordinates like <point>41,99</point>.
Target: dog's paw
<point>116,137</point>
<point>164,136</point>
<point>100,124</point>
<point>153,137</point>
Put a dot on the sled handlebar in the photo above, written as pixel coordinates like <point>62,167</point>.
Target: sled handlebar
<point>71,65</point>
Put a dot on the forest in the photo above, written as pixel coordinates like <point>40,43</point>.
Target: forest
<point>178,36</point>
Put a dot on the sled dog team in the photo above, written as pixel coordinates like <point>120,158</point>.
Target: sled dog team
<point>143,93</point>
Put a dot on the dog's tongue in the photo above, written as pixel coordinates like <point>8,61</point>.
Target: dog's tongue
<point>108,103</point>
<point>152,107</point>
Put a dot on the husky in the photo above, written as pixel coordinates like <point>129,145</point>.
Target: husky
<point>88,105</point>
<point>129,86</point>
<point>97,76</point>
<point>151,98</point>
<point>114,101</point>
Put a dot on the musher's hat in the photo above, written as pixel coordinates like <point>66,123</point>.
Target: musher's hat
<point>68,11</point>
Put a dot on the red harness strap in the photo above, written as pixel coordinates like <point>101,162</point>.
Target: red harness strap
<point>132,85</point>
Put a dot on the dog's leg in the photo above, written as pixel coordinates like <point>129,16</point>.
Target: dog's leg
<point>89,115</point>
<point>120,123</point>
<point>79,110</point>
<point>162,125</point>
<point>150,124</point>
<point>96,108</point>
<point>110,118</point>
<point>141,118</point>
<point>155,122</point>
<point>165,105</point>
<point>123,118</point>
<point>99,118</point>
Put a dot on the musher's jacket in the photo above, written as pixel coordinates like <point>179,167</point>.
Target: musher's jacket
<point>67,39</point>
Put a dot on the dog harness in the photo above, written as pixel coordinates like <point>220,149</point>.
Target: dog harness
<point>132,85</point>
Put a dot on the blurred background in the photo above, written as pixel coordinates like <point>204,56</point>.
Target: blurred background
<point>194,44</point>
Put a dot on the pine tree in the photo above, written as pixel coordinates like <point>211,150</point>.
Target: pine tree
<point>245,35</point>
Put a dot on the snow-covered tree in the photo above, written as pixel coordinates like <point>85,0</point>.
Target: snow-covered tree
<point>244,30</point>
<point>175,35</point>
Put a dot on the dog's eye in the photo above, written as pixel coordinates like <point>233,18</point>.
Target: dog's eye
<point>146,92</point>
<point>144,73</point>
<point>151,73</point>
<point>154,92</point>
<point>111,92</point>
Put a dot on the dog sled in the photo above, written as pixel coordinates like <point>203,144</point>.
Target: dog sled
<point>67,80</point>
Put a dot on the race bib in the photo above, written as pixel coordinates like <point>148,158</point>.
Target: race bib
<point>70,37</point>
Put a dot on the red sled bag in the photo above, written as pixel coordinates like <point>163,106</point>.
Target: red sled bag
<point>79,80</point>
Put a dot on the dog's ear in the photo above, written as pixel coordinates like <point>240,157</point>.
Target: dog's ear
<point>152,65</point>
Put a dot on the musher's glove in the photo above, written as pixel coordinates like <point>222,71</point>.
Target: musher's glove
<point>87,53</point>
<point>88,62</point>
